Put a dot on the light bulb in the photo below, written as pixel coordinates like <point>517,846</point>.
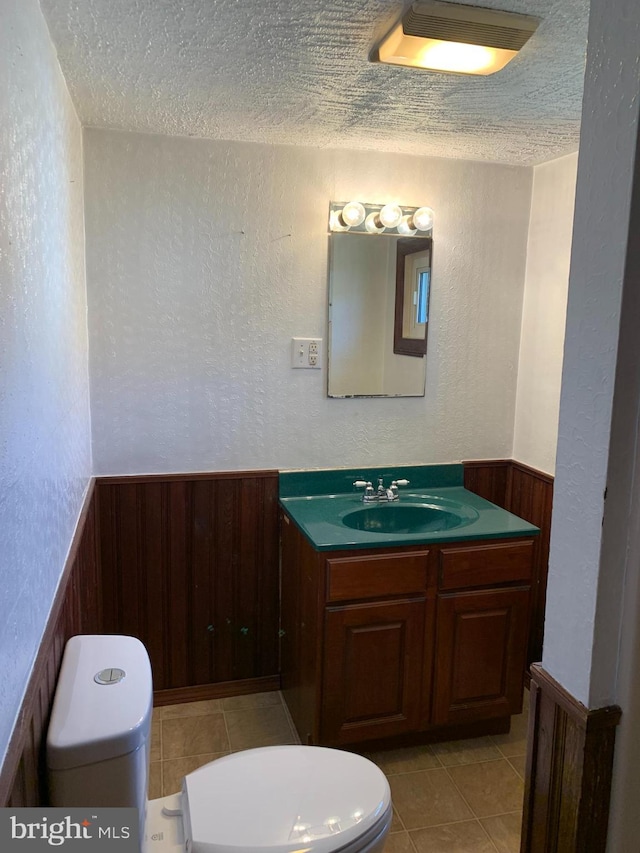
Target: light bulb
<point>390,215</point>
<point>372,224</point>
<point>423,219</point>
<point>353,214</point>
<point>459,57</point>
<point>406,226</point>
<point>335,222</point>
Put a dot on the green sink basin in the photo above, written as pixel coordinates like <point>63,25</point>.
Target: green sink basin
<point>405,518</point>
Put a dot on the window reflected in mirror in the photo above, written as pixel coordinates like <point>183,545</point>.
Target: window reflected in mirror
<point>413,273</point>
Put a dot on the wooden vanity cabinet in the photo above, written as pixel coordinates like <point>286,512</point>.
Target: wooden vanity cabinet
<point>388,642</point>
<point>480,655</point>
<point>372,670</point>
<point>373,655</point>
<point>482,630</point>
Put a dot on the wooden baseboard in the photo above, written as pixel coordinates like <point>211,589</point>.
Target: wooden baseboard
<point>76,609</point>
<point>221,690</point>
<point>568,771</point>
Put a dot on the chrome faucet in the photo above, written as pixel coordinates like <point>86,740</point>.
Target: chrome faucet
<point>382,494</point>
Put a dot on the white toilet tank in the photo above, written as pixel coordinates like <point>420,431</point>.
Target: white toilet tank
<point>99,734</point>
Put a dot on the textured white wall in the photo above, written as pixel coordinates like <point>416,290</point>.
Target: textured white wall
<point>580,650</point>
<point>544,313</point>
<point>44,408</point>
<point>205,258</point>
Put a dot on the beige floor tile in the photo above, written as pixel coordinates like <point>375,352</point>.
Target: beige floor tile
<point>398,842</point>
<point>518,763</point>
<point>505,831</point>
<point>252,700</point>
<point>184,736</point>
<point>467,837</point>
<point>405,760</point>
<point>466,751</point>
<point>427,798</point>
<point>396,824</point>
<point>190,709</point>
<point>490,788</point>
<point>256,727</point>
<point>175,769</point>
<point>515,741</point>
<point>155,750</point>
<point>155,780</point>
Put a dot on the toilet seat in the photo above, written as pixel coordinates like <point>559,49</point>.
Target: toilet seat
<point>283,799</point>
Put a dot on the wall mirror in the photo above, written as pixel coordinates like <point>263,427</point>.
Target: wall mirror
<point>379,286</point>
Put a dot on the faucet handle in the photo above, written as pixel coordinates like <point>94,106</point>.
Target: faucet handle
<point>361,484</point>
<point>401,483</point>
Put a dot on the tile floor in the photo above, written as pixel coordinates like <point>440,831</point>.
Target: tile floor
<point>457,797</point>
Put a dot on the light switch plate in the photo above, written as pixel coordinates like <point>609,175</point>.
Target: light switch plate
<point>306,352</point>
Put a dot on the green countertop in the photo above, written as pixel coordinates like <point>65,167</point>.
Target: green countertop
<point>318,500</point>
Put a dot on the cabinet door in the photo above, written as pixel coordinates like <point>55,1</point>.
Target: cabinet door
<point>481,642</point>
<point>372,670</point>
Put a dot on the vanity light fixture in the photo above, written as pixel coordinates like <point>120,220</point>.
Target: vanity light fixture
<point>365,218</point>
<point>455,38</point>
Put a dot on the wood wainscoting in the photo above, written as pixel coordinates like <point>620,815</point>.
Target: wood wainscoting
<point>529,494</point>
<point>76,609</point>
<point>190,566</point>
<point>568,771</point>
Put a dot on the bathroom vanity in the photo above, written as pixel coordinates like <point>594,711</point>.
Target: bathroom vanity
<point>389,632</point>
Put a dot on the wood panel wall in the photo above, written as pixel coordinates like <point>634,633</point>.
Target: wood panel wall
<point>76,610</point>
<point>489,479</point>
<point>529,494</point>
<point>187,563</point>
<point>190,566</point>
<point>568,771</point>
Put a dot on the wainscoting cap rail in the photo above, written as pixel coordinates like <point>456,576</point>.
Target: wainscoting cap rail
<point>588,719</point>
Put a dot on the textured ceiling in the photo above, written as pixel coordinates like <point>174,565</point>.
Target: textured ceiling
<point>287,72</point>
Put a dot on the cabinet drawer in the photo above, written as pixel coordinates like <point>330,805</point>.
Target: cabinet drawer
<point>481,565</point>
<point>372,577</point>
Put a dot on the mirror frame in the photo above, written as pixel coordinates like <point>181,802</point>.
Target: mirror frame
<point>401,345</point>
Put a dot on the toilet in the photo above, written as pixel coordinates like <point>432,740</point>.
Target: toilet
<point>278,799</point>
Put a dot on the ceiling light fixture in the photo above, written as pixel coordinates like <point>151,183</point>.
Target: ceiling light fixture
<point>455,38</point>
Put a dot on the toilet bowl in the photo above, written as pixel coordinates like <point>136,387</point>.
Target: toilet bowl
<point>276,799</point>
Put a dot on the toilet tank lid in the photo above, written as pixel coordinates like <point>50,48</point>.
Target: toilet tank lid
<point>103,701</point>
